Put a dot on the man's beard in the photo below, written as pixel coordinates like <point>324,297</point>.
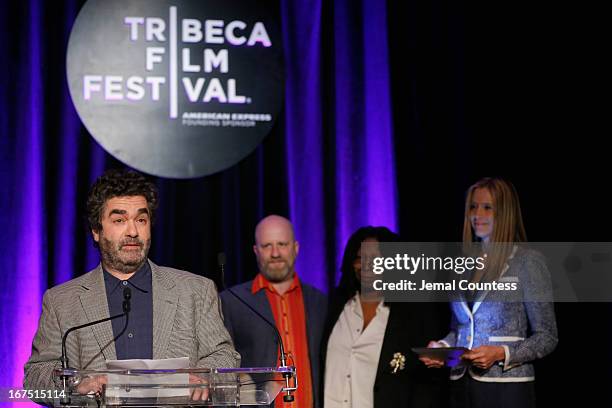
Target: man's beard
<point>276,275</point>
<point>114,258</point>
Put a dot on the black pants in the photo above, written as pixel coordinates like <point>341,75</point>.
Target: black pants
<point>469,393</point>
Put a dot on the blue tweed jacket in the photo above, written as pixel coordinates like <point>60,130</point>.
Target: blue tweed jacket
<point>526,329</point>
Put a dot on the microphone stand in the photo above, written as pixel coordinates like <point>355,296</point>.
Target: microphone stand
<point>127,295</point>
<point>288,397</point>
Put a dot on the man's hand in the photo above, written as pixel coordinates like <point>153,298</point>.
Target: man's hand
<point>433,362</point>
<point>92,385</point>
<point>485,356</point>
<point>198,393</point>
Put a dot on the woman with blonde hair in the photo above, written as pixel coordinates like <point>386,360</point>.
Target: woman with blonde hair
<point>504,334</point>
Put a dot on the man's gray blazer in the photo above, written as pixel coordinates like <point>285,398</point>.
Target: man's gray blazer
<point>186,323</point>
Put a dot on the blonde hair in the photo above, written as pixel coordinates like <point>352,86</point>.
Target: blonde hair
<point>508,225</point>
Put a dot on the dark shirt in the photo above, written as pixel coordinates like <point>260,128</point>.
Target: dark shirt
<point>137,340</point>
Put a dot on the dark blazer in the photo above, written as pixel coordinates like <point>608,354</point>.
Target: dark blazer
<point>409,325</point>
<point>255,340</point>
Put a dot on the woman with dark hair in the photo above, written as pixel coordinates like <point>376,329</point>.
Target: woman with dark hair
<point>505,334</point>
<point>367,356</point>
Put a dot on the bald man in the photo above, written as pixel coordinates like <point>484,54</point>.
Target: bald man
<point>297,309</point>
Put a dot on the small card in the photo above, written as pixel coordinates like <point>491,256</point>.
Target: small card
<point>450,355</point>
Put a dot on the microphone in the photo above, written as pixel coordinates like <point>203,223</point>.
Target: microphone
<point>288,397</point>
<point>221,262</point>
<point>127,296</point>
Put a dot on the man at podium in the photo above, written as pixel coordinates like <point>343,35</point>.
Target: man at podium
<point>173,313</point>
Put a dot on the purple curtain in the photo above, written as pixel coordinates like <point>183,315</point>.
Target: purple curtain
<point>328,165</point>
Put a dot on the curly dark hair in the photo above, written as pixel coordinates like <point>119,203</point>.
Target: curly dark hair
<point>349,284</point>
<point>118,183</point>
<point>348,281</point>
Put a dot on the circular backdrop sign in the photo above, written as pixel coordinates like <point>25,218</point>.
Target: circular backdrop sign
<point>180,88</point>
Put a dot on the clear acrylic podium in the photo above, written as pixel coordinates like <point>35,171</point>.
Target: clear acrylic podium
<point>174,387</point>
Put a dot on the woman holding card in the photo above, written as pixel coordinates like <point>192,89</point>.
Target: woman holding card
<point>504,332</point>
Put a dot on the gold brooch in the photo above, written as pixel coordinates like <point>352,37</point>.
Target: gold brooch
<point>397,362</point>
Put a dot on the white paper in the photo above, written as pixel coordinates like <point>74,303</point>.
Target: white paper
<point>113,391</point>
